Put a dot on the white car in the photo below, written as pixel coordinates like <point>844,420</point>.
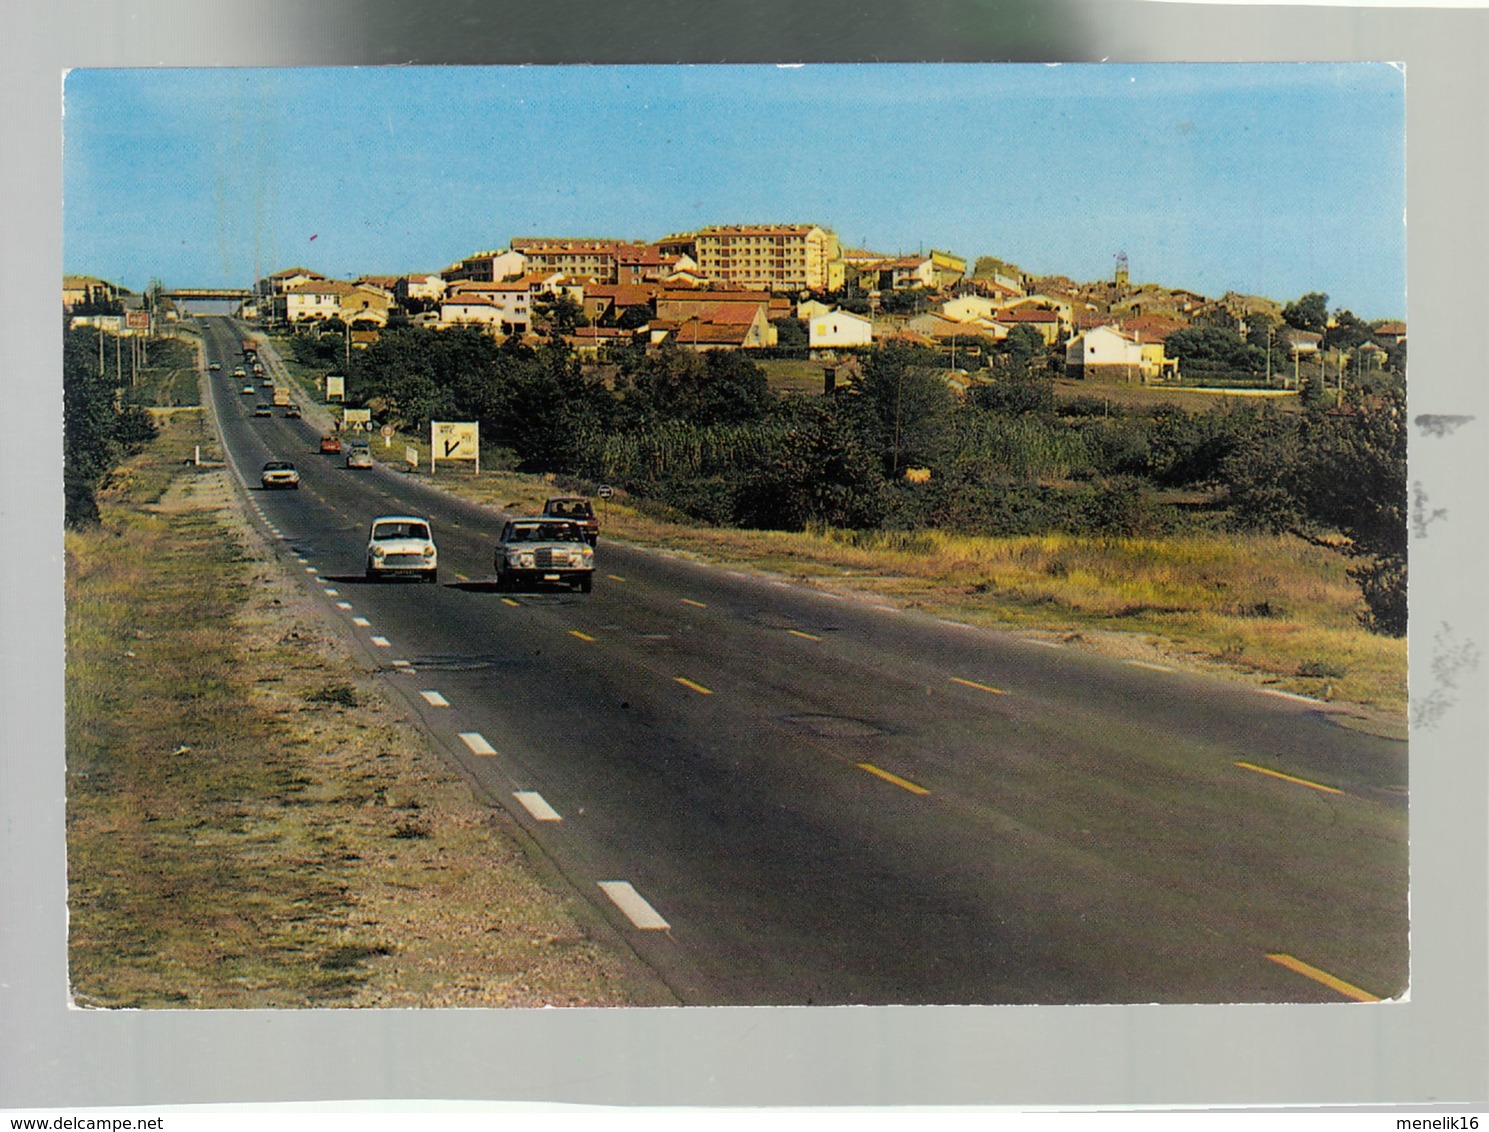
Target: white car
<point>279,473</point>
<point>401,544</point>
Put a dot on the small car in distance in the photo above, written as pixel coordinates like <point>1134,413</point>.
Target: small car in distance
<point>359,456</point>
<point>401,544</point>
<point>239,372</point>
<point>331,443</point>
<point>543,551</point>
<point>215,366</point>
<point>263,410</point>
<point>279,473</point>
<point>292,411</point>
<point>248,391</point>
<point>577,509</point>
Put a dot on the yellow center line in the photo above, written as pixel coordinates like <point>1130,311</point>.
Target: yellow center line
<point>1348,990</point>
<point>803,636</point>
<point>904,784</point>
<point>690,601</point>
<point>699,688</point>
<point>581,636</point>
<point>1289,778</point>
<point>509,601</point>
<point>979,687</point>
<point>615,577</point>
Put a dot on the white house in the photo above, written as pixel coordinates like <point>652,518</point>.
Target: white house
<point>506,309</point>
<point>331,298</point>
<point>426,287</point>
<point>969,307</point>
<point>1103,351</point>
<point>839,329</point>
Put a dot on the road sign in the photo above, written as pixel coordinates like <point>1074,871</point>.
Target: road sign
<point>606,491</point>
<point>455,440</point>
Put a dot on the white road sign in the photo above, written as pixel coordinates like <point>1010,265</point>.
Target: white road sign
<point>455,440</point>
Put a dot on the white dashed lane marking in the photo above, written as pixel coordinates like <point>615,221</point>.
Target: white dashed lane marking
<point>625,897</point>
<point>477,743</point>
<point>434,699</point>
<point>534,804</point>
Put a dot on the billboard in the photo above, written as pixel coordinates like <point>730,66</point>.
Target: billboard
<point>455,440</point>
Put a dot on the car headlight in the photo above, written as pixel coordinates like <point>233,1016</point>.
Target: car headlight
<point>523,560</point>
<point>429,550</point>
<point>580,558</point>
<point>378,552</point>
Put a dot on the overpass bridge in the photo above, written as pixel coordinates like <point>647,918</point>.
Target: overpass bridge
<point>209,294</point>
<point>208,300</point>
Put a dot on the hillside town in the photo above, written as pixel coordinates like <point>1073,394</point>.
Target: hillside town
<point>771,287</point>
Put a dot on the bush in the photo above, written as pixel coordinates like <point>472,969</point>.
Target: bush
<point>710,500</point>
<point>1127,507</point>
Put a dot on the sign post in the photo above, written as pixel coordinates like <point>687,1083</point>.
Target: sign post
<point>455,440</point>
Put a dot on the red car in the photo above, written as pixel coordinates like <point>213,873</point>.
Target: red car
<point>331,443</point>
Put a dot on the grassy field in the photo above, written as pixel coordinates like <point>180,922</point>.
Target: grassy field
<point>249,823</point>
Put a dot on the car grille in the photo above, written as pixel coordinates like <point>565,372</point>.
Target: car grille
<point>403,560</point>
<point>546,559</point>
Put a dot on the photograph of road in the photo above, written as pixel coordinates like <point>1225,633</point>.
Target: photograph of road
<point>811,536</point>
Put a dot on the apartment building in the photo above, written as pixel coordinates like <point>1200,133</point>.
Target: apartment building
<point>592,260</point>
<point>486,267</point>
<point>774,257</point>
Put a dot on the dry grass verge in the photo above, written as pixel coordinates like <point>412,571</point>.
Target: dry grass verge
<point>250,824</point>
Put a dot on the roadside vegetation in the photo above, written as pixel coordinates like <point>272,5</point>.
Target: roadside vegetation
<point>706,439</point>
<point>249,823</point>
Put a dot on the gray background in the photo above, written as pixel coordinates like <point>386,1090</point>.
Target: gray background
<point>1431,1049</point>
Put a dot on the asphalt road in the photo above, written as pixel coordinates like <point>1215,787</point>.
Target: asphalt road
<point>778,795</point>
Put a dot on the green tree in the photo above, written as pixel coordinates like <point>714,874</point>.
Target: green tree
<point>1347,331</point>
<point>819,470</point>
<point>988,266</point>
<point>717,387</point>
<point>1311,312</point>
<point>97,430</point>
<point>1357,485</point>
<point>791,334</point>
<point>907,408</point>
<point>562,313</point>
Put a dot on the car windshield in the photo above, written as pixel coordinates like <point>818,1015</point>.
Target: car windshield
<point>400,530</point>
<point>544,532</point>
<point>277,466</point>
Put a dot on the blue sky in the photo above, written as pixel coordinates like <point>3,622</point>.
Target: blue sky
<point>1274,179</point>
